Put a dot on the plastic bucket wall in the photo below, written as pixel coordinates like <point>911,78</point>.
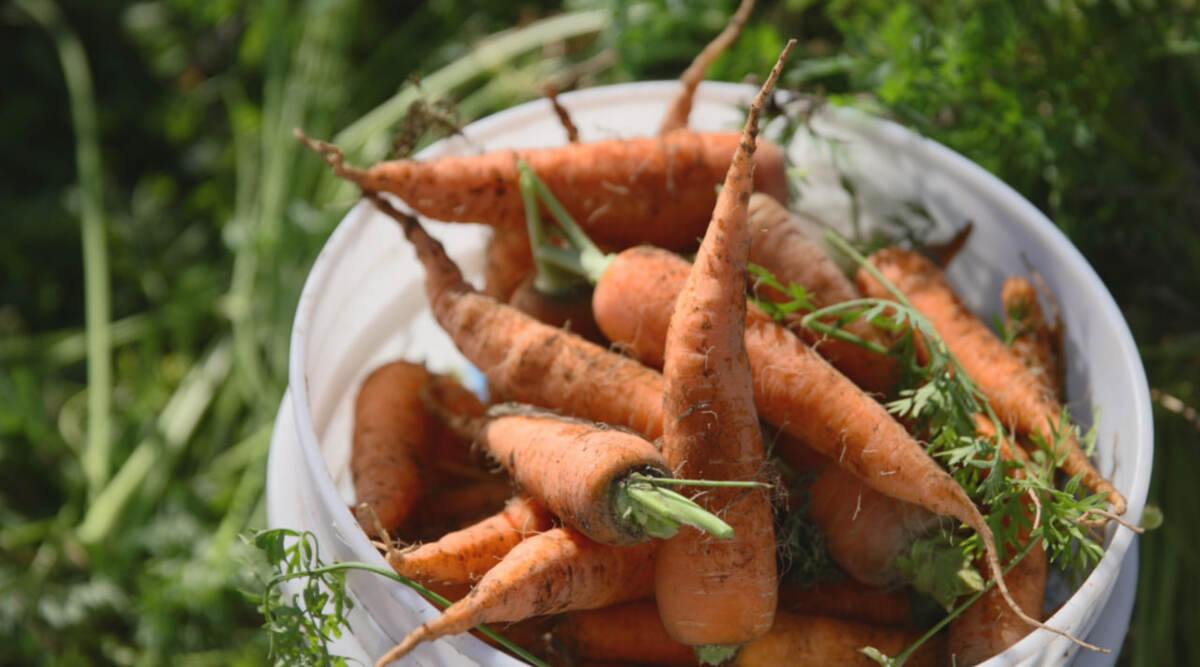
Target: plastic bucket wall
<point>363,304</point>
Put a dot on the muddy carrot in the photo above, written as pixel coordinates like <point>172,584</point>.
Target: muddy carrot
<point>628,632</point>
<point>819,641</point>
<point>849,600</point>
<point>680,108</point>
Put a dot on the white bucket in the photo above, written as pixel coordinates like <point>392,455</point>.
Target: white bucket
<point>363,303</point>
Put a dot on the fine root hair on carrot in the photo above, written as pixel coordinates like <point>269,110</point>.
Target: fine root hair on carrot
<point>550,92</point>
<point>681,107</point>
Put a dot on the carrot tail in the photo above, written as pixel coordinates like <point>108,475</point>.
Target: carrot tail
<point>677,114</point>
<point>564,117</point>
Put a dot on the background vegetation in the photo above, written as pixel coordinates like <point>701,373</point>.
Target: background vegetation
<point>151,192</point>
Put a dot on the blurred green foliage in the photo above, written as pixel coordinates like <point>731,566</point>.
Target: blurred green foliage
<point>210,221</point>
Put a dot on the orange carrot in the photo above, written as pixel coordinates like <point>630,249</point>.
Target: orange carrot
<point>1034,340</point>
<point>656,190</point>
<point>465,555</point>
<point>718,593</point>
<point>592,476</point>
<point>571,311</point>
<point>781,246</point>
<point>1013,391</point>
<point>819,641</point>
<point>865,530</point>
<point>680,108</point>
<point>629,632</point>
<point>452,507</point>
<point>393,436</point>
<point>508,262</point>
<point>527,361</point>
<point>551,572</point>
<point>849,600</point>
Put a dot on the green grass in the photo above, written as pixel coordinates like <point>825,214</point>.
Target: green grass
<point>161,220</point>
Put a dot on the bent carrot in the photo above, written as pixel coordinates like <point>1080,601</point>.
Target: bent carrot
<point>393,437</point>
<point>463,556</point>
<point>718,593</point>
<point>1013,391</point>
<point>628,632</point>
<point>596,478</point>
<point>820,641</point>
<point>781,246</point>
<point>551,572</point>
<point>1033,339</point>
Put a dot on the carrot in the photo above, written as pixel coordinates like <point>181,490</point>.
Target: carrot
<point>1012,389</point>
<point>508,262</point>
<point>564,117</point>
<point>597,479</point>
<point>393,437</point>
<point>628,632</point>
<point>571,310</point>
<point>710,593</point>
<point>527,361</point>
<point>1034,340</point>
<point>849,600</point>
<point>452,454</point>
<point>453,507</point>
<point>865,530</point>
<point>781,246</point>
<point>626,191</point>
<point>464,556</point>
<point>551,572</point>
<point>819,641</point>
<point>680,108</point>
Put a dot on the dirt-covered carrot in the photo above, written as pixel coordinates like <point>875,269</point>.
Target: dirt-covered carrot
<point>656,190</point>
<point>864,529</point>
<point>393,437</point>
<point>628,632</point>
<point>454,506</point>
<point>850,600</point>
<point>820,641</point>
<point>781,245</point>
<point>1014,392</point>
<point>463,556</point>
<point>598,479</point>
<point>527,361</point>
<point>570,310</point>
<point>1035,341</point>
<point>680,108</point>
<point>551,572</point>
<point>717,595</point>
<point>508,262</point>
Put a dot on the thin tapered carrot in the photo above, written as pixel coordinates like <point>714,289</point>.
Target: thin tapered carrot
<point>628,632</point>
<point>527,361</point>
<point>819,641</point>
<point>463,556</point>
<point>718,593</point>
<point>550,92</point>
<point>1013,391</point>
<point>849,600</point>
<point>781,246</point>
<point>597,479</point>
<point>548,573</point>
<point>393,438</point>
<point>656,190</point>
<point>680,108</point>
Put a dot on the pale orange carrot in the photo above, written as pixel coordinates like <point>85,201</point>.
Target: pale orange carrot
<point>1013,391</point>
<point>551,572</point>
<point>718,594</point>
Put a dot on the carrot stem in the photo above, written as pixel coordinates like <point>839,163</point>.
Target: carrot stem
<point>658,511</point>
<point>591,259</point>
<point>550,277</point>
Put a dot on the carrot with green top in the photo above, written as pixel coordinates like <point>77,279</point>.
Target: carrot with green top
<point>1014,392</point>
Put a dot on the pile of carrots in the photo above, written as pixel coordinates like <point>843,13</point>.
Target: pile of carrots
<point>543,512</point>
